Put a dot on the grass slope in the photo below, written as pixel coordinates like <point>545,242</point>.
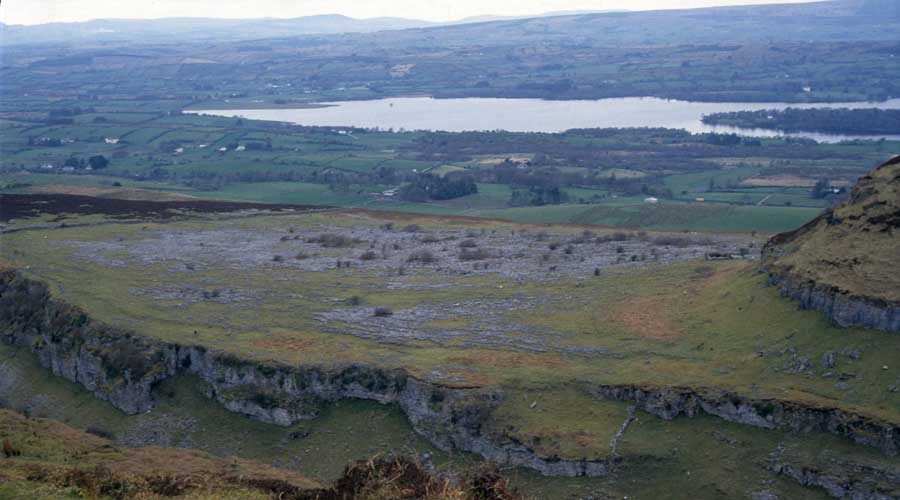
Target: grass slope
<point>853,248</point>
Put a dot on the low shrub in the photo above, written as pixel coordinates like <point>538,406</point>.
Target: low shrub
<point>669,240</point>
<point>422,256</point>
<point>100,432</point>
<point>9,450</point>
<point>474,254</point>
<point>331,240</point>
<point>381,312</point>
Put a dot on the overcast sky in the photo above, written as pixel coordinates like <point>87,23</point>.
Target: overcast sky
<point>44,11</point>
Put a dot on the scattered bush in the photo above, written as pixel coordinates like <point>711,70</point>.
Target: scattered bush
<point>468,243</point>
<point>486,483</point>
<point>301,256</point>
<point>331,240</point>
<point>381,312</point>
<point>704,271</point>
<point>474,254</point>
<point>423,256</point>
<point>369,255</point>
<point>584,237</point>
<point>127,357</point>
<point>277,258</point>
<point>100,432</point>
<point>9,450</point>
<point>672,241</point>
<point>355,300</point>
<point>429,238</point>
<point>400,478</point>
<point>617,236</point>
<point>412,228</point>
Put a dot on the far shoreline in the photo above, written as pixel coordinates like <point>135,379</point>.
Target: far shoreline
<point>237,106</point>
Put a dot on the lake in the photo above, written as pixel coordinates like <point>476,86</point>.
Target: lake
<point>536,115</point>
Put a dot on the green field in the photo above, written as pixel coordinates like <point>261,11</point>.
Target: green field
<point>603,175</point>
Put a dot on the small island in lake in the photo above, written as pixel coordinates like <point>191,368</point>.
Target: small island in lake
<point>823,120</point>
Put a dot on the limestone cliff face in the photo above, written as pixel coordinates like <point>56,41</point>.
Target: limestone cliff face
<point>122,368</point>
<point>846,262</point>
<point>839,478</point>
<point>671,402</point>
<point>841,308</point>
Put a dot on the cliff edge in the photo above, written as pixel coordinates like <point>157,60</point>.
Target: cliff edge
<point>846,262</point>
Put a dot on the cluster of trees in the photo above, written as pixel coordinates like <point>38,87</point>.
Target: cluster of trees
<point>823,189</point>
<point>730,140</point>
<point>824,120</point>
<point>537,195</point>
<point>426,187</point>
<point>63,116</point>
<point>97,162</point>
<point>73,111</point>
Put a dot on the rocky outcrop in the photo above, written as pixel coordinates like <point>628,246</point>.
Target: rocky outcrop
<point>844,262</point>
<point>839,478</point>
<point>123,369</point>
<point>839,307</point>
<point>671,402</point>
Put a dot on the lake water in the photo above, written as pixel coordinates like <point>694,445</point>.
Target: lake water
<point>535,115</point>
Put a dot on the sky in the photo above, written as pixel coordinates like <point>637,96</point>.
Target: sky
<point>45,11</point>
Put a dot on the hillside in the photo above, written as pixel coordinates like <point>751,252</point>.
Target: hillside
<point>819,52</point>
<point>845,262</point>
<point>473,330</point>
<point>46,459</point>
<point>162,30</point>
<point>815,21</point>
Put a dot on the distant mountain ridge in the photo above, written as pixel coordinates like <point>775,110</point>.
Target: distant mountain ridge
<point>838,17</point>
<point>201,28</point>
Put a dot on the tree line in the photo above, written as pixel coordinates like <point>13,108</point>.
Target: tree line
<point>824,120</point>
